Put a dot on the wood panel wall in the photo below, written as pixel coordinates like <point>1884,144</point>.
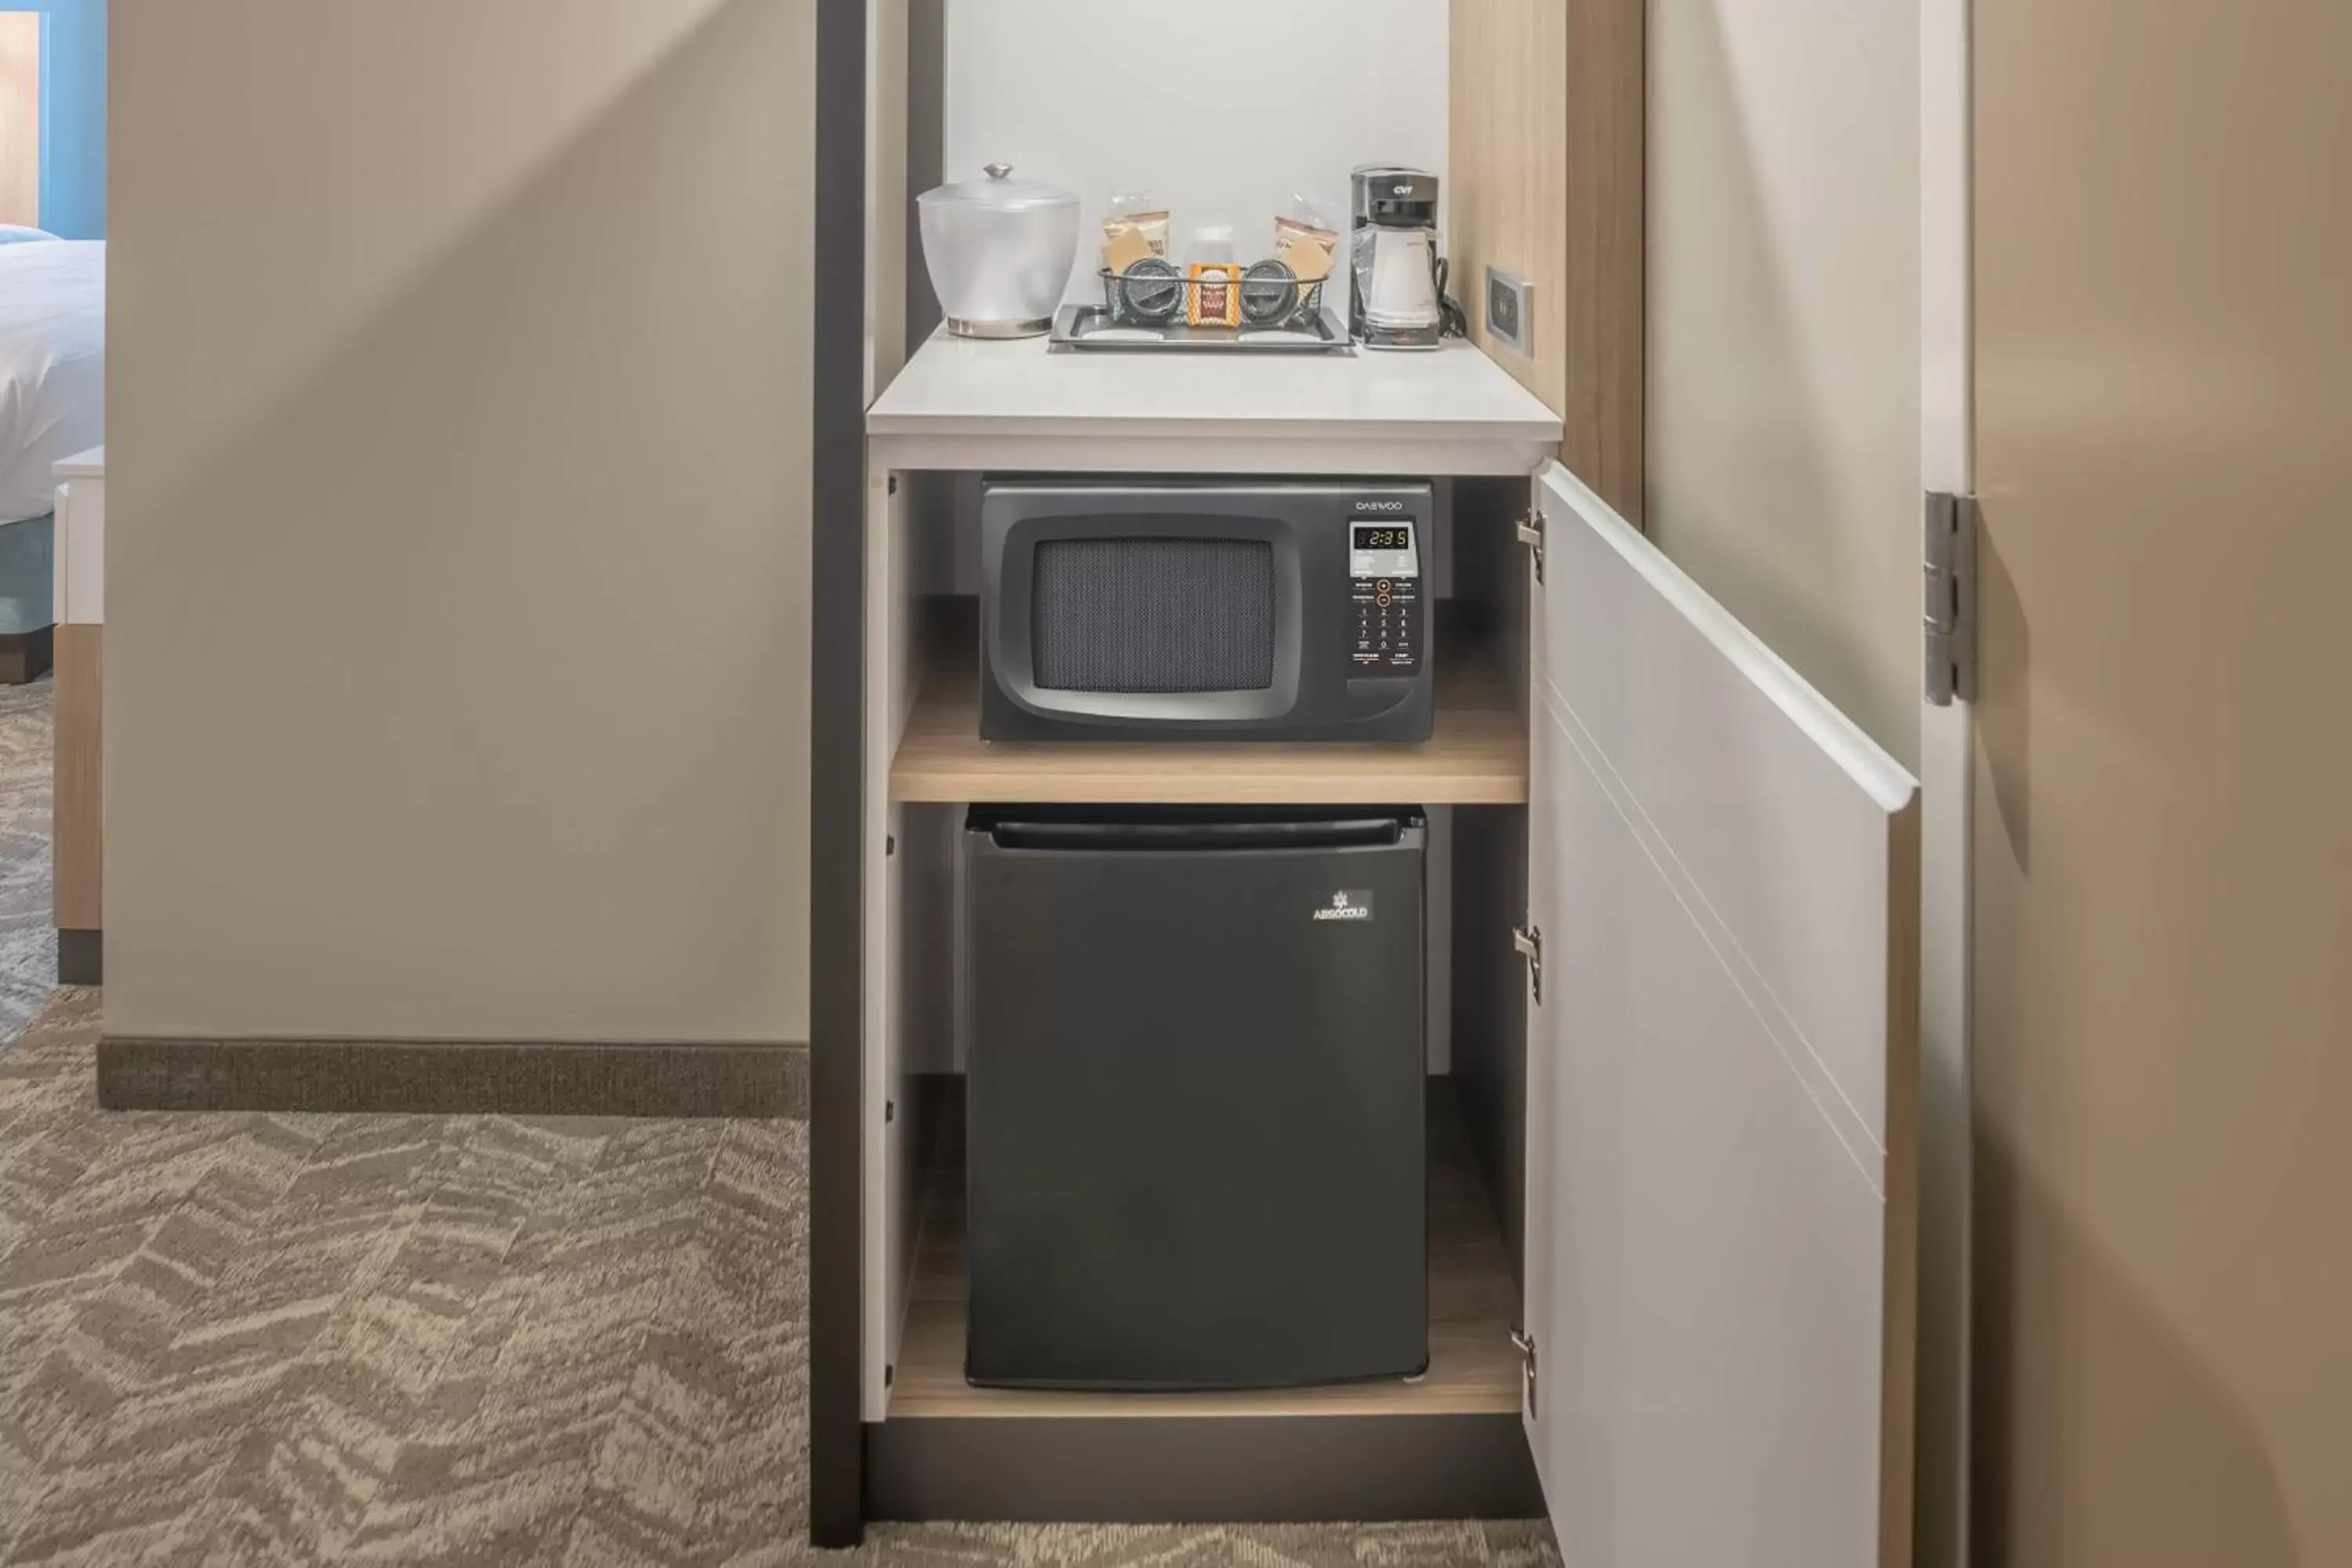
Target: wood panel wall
<point>20,116</point>
<point>1545,177</point>
<point>80,763</point>
<point>1507,173</point>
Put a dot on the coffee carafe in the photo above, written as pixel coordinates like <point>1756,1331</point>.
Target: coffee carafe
<point>1397,293</point>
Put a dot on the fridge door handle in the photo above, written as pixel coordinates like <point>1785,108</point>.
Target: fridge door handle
<point>1111,838</point>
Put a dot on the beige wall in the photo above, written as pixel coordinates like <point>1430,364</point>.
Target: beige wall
<point>458,535</point>
<point>1783,405</point>
<point>2164,816</point>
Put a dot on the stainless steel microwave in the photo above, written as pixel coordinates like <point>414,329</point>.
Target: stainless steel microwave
<point>1218,610</point>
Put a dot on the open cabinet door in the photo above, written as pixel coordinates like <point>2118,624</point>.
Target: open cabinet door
<point>1724,871</point>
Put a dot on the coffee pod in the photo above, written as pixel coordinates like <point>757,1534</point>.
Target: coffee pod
<point>1270,293</point>
<point>1151,290</point>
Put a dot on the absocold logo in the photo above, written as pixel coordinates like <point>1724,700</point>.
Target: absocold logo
<point>1346,905</point>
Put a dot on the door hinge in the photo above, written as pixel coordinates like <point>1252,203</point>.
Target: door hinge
<point>1531,534</point>
<point>1525,1343</point>
<point>1527,942</point>
<point>1948,586</point>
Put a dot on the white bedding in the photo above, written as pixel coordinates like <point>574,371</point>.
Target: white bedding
<point>52,365</point>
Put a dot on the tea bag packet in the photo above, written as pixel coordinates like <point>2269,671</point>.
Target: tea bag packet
<point>1305,240</point>
<point>1133,227</point>
<point>1309,260</point>
<point>1124,250</point>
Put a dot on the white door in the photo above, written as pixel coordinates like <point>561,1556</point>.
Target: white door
<point>1720,1082</point>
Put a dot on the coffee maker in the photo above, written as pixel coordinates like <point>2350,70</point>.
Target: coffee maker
<point>1397,293</point>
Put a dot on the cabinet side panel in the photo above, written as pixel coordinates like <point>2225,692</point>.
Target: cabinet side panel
<point>890,680</point>
<point>1489,1011</point>
<point>1489,865</point>
<point>838,957</point>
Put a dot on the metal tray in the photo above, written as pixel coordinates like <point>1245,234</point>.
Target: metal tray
<point>1089,329</point>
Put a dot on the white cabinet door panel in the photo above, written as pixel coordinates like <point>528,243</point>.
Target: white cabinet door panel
<point>1719,1176</point>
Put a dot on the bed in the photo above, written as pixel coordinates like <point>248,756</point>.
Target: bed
<point>52,406</point>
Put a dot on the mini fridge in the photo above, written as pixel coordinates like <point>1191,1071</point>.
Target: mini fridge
<point>1196,1097</point>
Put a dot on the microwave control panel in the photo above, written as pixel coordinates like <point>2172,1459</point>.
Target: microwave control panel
<point>1390,623</point>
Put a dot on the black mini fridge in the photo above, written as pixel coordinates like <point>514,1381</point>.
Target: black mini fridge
<point>1196,1097</point>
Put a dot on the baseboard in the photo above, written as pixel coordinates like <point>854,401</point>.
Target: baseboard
<point>455,1077</point>
<point>26,655</point>
<point>1189,1469</point>
<point>81,957</point>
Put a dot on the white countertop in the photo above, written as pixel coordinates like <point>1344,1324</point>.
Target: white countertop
<point>89,465</point>
<point>964,403</point>
<point>77,584</point>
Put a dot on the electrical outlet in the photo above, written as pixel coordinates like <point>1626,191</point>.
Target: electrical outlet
<point>1511,311</point>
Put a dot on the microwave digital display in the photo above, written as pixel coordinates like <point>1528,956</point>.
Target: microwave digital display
<point>1382,550</point>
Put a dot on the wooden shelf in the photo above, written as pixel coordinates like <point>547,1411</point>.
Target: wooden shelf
<point>1473,1306</point>
<point>1478,756</point>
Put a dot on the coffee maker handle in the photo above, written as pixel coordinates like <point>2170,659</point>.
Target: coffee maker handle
<point>1452,322</point>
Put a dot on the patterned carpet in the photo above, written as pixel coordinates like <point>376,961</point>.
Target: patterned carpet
<point>254,1339</point>
<point>278,1340</point>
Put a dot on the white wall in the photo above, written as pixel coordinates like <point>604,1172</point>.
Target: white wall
<point>1221,109</point>
<point>1783,368</point>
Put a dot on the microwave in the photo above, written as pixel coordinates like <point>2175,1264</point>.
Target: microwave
<point>1212,610</point>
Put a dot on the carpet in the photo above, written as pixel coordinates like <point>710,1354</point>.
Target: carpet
<point>28,942</point>
<point>473,1339</point>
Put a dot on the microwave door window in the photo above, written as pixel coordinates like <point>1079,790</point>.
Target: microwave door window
<point>1142,616</point>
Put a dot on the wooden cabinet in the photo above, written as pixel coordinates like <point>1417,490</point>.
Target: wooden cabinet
<point>1672,1155</point>
<point>1672,1174</point>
